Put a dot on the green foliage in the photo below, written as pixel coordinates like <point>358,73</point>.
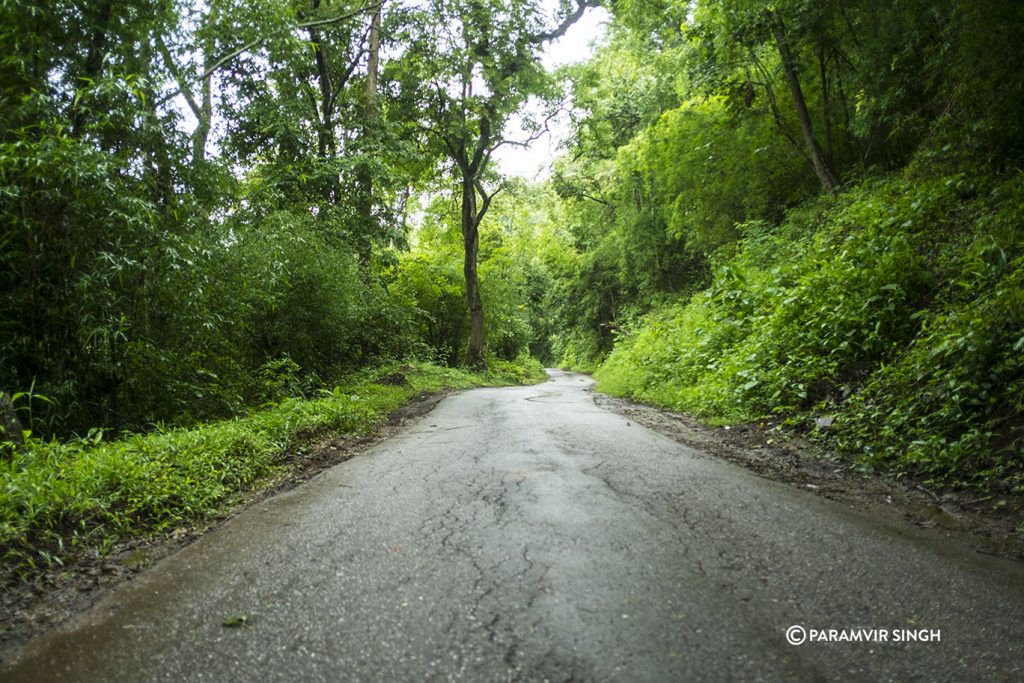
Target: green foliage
<point>141,283</point>
<point>703,275</point>
<point>159,268</point>
<point>515,278</point>
<point>876,78</point>
<point>705,171</point>
<point>950,405</point>
<point>60,498</point>
<point>895,307</point>
<point>431,283</point>
<point>619,92</point>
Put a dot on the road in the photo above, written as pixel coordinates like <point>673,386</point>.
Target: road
<point>524,534</point>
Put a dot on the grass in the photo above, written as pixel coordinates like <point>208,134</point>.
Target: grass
<point>59,499</point>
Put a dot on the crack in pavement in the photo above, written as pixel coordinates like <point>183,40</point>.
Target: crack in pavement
<point>528,540</point>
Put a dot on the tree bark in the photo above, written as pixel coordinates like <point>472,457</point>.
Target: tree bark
<point>325,116</point>
<point>202,111</point>
<point>471,246</point>
<point>821,166</point>
<point>472,163</point>
<point>365,177</point>
<point>202,132</point>
<point>373,64</point>
<point>826,105</point>
<point>773,104</point>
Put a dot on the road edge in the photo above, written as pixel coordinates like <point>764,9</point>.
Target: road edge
<point>785,458</point>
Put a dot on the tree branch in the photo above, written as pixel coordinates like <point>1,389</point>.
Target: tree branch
<point>176,72</point>
<point>533,136</point>
<point>349,70</point>
<point>773,104</point>
<point>599,200</point>
<point>571,19</point>
<point>340,17</point>
<point>481,148</point>
<point>311,99</point>
<point>253,43</point>
<point>478,184</point>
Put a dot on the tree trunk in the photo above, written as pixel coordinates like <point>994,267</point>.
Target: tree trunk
<point>365,177</point>
<point>826,106</point>
<point>205,115</point>
<point>773,104</point>
<point>852,146</point>
<point>471,244</point>
<point>325,124</point>
<point>202,132</point>
<point>818,160</point>
<point>203,111</point>
<point>373,64</point>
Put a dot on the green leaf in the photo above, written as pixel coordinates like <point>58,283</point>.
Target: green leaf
<point>236,620</point>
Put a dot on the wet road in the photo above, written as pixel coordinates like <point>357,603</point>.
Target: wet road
<point>525,534</point>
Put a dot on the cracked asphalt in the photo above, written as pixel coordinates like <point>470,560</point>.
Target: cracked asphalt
<point>524,534</point>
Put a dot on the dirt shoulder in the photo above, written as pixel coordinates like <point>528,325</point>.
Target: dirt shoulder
<point>783,457</point>
<point>28,609</point>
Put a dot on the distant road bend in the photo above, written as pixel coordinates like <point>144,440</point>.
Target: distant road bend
<point>524,534</point>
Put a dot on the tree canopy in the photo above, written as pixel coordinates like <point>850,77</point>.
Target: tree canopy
<point>761,208</point>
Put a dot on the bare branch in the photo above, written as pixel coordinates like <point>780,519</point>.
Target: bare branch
<point>533,136</point>
<point>569,20</point>
<point>349,70</point>
<point>340,17</point>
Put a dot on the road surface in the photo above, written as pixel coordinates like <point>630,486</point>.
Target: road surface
<point>524,534</point>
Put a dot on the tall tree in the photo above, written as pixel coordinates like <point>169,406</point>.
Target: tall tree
<point>735,38</point>
<point>201,104</point>
<point>822,165</point>
<point>371,119</point>
<point>473,64</point>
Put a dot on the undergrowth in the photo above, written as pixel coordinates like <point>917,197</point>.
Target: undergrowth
<point>895,309</point>
<point>57,499</point>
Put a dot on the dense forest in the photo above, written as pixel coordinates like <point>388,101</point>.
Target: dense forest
<point>803,212</point>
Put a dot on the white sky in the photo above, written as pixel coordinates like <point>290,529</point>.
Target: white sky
<point>534,162</point>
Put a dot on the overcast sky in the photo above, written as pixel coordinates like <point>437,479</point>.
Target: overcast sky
<point>575,46</point>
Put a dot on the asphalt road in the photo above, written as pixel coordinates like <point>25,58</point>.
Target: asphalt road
<point>525,534</point>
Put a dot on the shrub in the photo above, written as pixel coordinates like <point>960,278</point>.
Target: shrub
<point>898,309</point>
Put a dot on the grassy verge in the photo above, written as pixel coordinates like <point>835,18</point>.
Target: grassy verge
<point>58,499</point>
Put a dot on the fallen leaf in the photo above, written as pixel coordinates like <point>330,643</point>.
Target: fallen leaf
<point>236,620</point>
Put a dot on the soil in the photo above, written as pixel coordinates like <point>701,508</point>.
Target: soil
<point>30,608</point>
<point>770,452</point>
